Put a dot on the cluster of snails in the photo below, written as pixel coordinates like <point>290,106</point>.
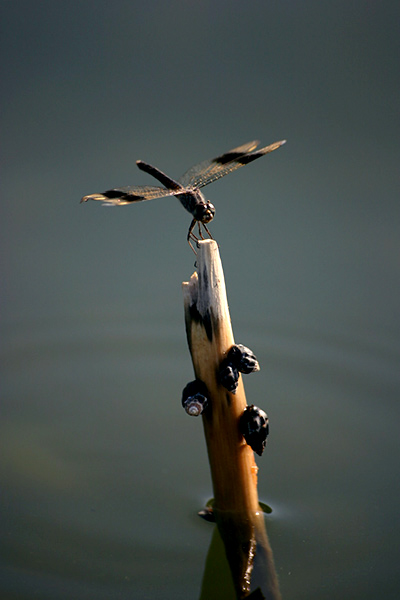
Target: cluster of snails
<point>238,360</point>
<point>253,423</point>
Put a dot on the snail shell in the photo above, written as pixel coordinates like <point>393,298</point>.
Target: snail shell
<point>228,376</point>
<point>194,398</point>
<point>254,426</point>
<point>243,359</point>
<point>239,359</point>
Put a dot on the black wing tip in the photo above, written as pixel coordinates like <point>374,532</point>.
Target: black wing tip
<point>112,194</point>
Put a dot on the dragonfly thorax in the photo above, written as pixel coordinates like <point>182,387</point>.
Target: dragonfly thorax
<point>201,209</point>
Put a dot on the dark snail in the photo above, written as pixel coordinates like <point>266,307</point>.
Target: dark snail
<point>243,359</point>
<point>239,359</point>
<point>228,376</point>
<point>253,425</point>
<point>194,398</point>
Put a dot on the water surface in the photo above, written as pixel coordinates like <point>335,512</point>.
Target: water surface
<point>103,472</point>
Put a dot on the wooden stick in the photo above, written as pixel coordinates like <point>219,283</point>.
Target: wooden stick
<point>233,469</point>
<point>210,336</point>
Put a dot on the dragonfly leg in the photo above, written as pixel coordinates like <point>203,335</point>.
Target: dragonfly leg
<point>191,237</point>
<point>208,231</point>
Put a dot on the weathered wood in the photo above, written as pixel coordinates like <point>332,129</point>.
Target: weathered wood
<point>233,468</point>
<point>210,336</point>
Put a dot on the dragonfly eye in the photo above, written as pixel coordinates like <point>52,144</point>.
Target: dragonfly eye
<point>208,213</point>
<point>204,212</point>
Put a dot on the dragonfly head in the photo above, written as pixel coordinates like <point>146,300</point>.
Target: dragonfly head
<point>205,212</point>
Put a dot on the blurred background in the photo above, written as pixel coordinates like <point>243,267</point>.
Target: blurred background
<point>102,472</point>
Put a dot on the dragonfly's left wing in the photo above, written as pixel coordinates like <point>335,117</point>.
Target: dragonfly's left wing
<point>129,194</point>
<point>209,171</point>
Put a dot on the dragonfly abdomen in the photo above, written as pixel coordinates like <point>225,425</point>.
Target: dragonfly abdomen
<point>169,183</point>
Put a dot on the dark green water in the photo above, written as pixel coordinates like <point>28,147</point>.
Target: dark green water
<point>103,472</point>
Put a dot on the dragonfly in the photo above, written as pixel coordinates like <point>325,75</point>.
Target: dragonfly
<point>187,188</point>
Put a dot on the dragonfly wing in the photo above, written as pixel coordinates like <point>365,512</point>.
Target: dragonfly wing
<point>229,162</point>
<point>205,168</point>
<point>129,194</point>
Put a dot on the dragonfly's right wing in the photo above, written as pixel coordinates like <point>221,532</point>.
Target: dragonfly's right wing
<point>128,194</point>
<point>207,168</point>
<point>226,163</point>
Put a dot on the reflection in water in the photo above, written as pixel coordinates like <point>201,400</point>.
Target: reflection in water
<point>238,541</point>
<point>250,538</point>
